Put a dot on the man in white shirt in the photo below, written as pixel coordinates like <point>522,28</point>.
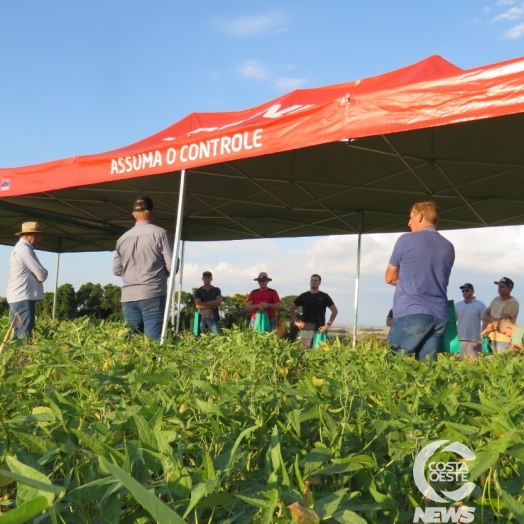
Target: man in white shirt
<point>469,314</point>
<point>26,277</point>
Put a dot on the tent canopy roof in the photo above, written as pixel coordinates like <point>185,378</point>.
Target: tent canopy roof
<point>332,160</point>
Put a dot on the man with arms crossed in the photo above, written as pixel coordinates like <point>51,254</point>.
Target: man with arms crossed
<point>419,268</point>
<point>469,314</point>
<point>263,299</point>
<point>26,276</point>
<point>143,259</point>
<point>503,306</point>
<point>207,299</point>
<point>314,303</point>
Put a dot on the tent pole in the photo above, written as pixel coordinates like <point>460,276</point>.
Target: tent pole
<point>178,234</point>
<point>56,279</point>
<point>180,281</point>
<point>357,285</point>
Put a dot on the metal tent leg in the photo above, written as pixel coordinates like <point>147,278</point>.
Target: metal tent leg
<point>180,281</point>
<point>56,283</point>
<point>178,234</point>
<point>357,285</point>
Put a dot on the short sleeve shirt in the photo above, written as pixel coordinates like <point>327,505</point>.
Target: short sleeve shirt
<point>270,296</point>
<point>517,337</point>
<point>469,318</point>
<point>499,307</point>
<point>207,296</point>
<point>314,306</point>
<point>424,259</point>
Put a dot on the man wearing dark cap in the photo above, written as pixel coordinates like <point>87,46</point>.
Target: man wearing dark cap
<point>469,314</point>
<point>26,277</point>
<point>208,298</point>
<point>503,306</point>
<point>143,259</point>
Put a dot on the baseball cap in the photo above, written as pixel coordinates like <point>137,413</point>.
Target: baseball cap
<point>467,286</point>
<point>505,281</point>
<point>207,274</point>
<point>143,203</point>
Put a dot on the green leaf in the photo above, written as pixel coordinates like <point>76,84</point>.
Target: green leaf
<point>27,419</point>
<point>346,516</point>
<point>154,506</point>
<point>483,462</point>
<point>198,492</point>
<point>326,506</point>
<point>516,507</point>
<point>31,483</point>
<point>25,512</point>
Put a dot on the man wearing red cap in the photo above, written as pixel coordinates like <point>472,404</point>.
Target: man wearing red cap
<point>503,306</point>
<point>143,259</point>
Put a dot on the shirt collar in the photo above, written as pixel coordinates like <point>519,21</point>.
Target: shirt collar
<point>143,223</point>
<point>22,239</point>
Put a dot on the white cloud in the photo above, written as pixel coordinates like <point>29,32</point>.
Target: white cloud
<point>288,84</point>
<point>246,26</point>
<point>477,21</point>
<point>253,69</point>
<point>511,14</point>
<point>487,9</point>
<point>505,2</point>
<point>515,32</point>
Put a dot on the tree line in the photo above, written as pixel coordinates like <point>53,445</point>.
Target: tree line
<point>103,302</point>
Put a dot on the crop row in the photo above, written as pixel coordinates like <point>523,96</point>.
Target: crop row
<point>244,428</point>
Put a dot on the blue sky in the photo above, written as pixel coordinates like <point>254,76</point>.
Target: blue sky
<point>86,77</point>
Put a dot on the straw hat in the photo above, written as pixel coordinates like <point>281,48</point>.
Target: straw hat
<point>29,227</point>
<point>263,276</point>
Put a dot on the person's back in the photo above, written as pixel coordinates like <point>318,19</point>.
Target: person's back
<point>419,268</point>
<point>144,268</point>
<point>424,269</point>
<point>143,257</point>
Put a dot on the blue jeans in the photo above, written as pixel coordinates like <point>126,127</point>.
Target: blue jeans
<point>27,311</point>
<point>421,335</point>
<point>208,325</point>
<point>146,316</point>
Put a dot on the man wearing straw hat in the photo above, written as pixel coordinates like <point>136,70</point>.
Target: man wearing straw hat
<point>26,276</point>
<point>263,299</point>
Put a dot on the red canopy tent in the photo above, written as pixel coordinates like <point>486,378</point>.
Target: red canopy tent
<point>349,158</point>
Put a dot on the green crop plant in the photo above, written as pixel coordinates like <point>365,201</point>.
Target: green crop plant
<point>244,427</point>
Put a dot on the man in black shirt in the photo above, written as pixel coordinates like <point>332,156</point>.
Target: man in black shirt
<point>314,303</point>
<point>207,299</point>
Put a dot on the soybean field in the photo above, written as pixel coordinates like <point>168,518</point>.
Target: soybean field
<point>245,428</point>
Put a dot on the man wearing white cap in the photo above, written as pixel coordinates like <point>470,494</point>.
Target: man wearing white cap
<point>26,276</point>
<point>469,314</point>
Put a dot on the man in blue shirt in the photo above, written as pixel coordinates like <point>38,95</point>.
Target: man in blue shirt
<point>208,299</point>
<point>419,268</point>
<point>469,314</point>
